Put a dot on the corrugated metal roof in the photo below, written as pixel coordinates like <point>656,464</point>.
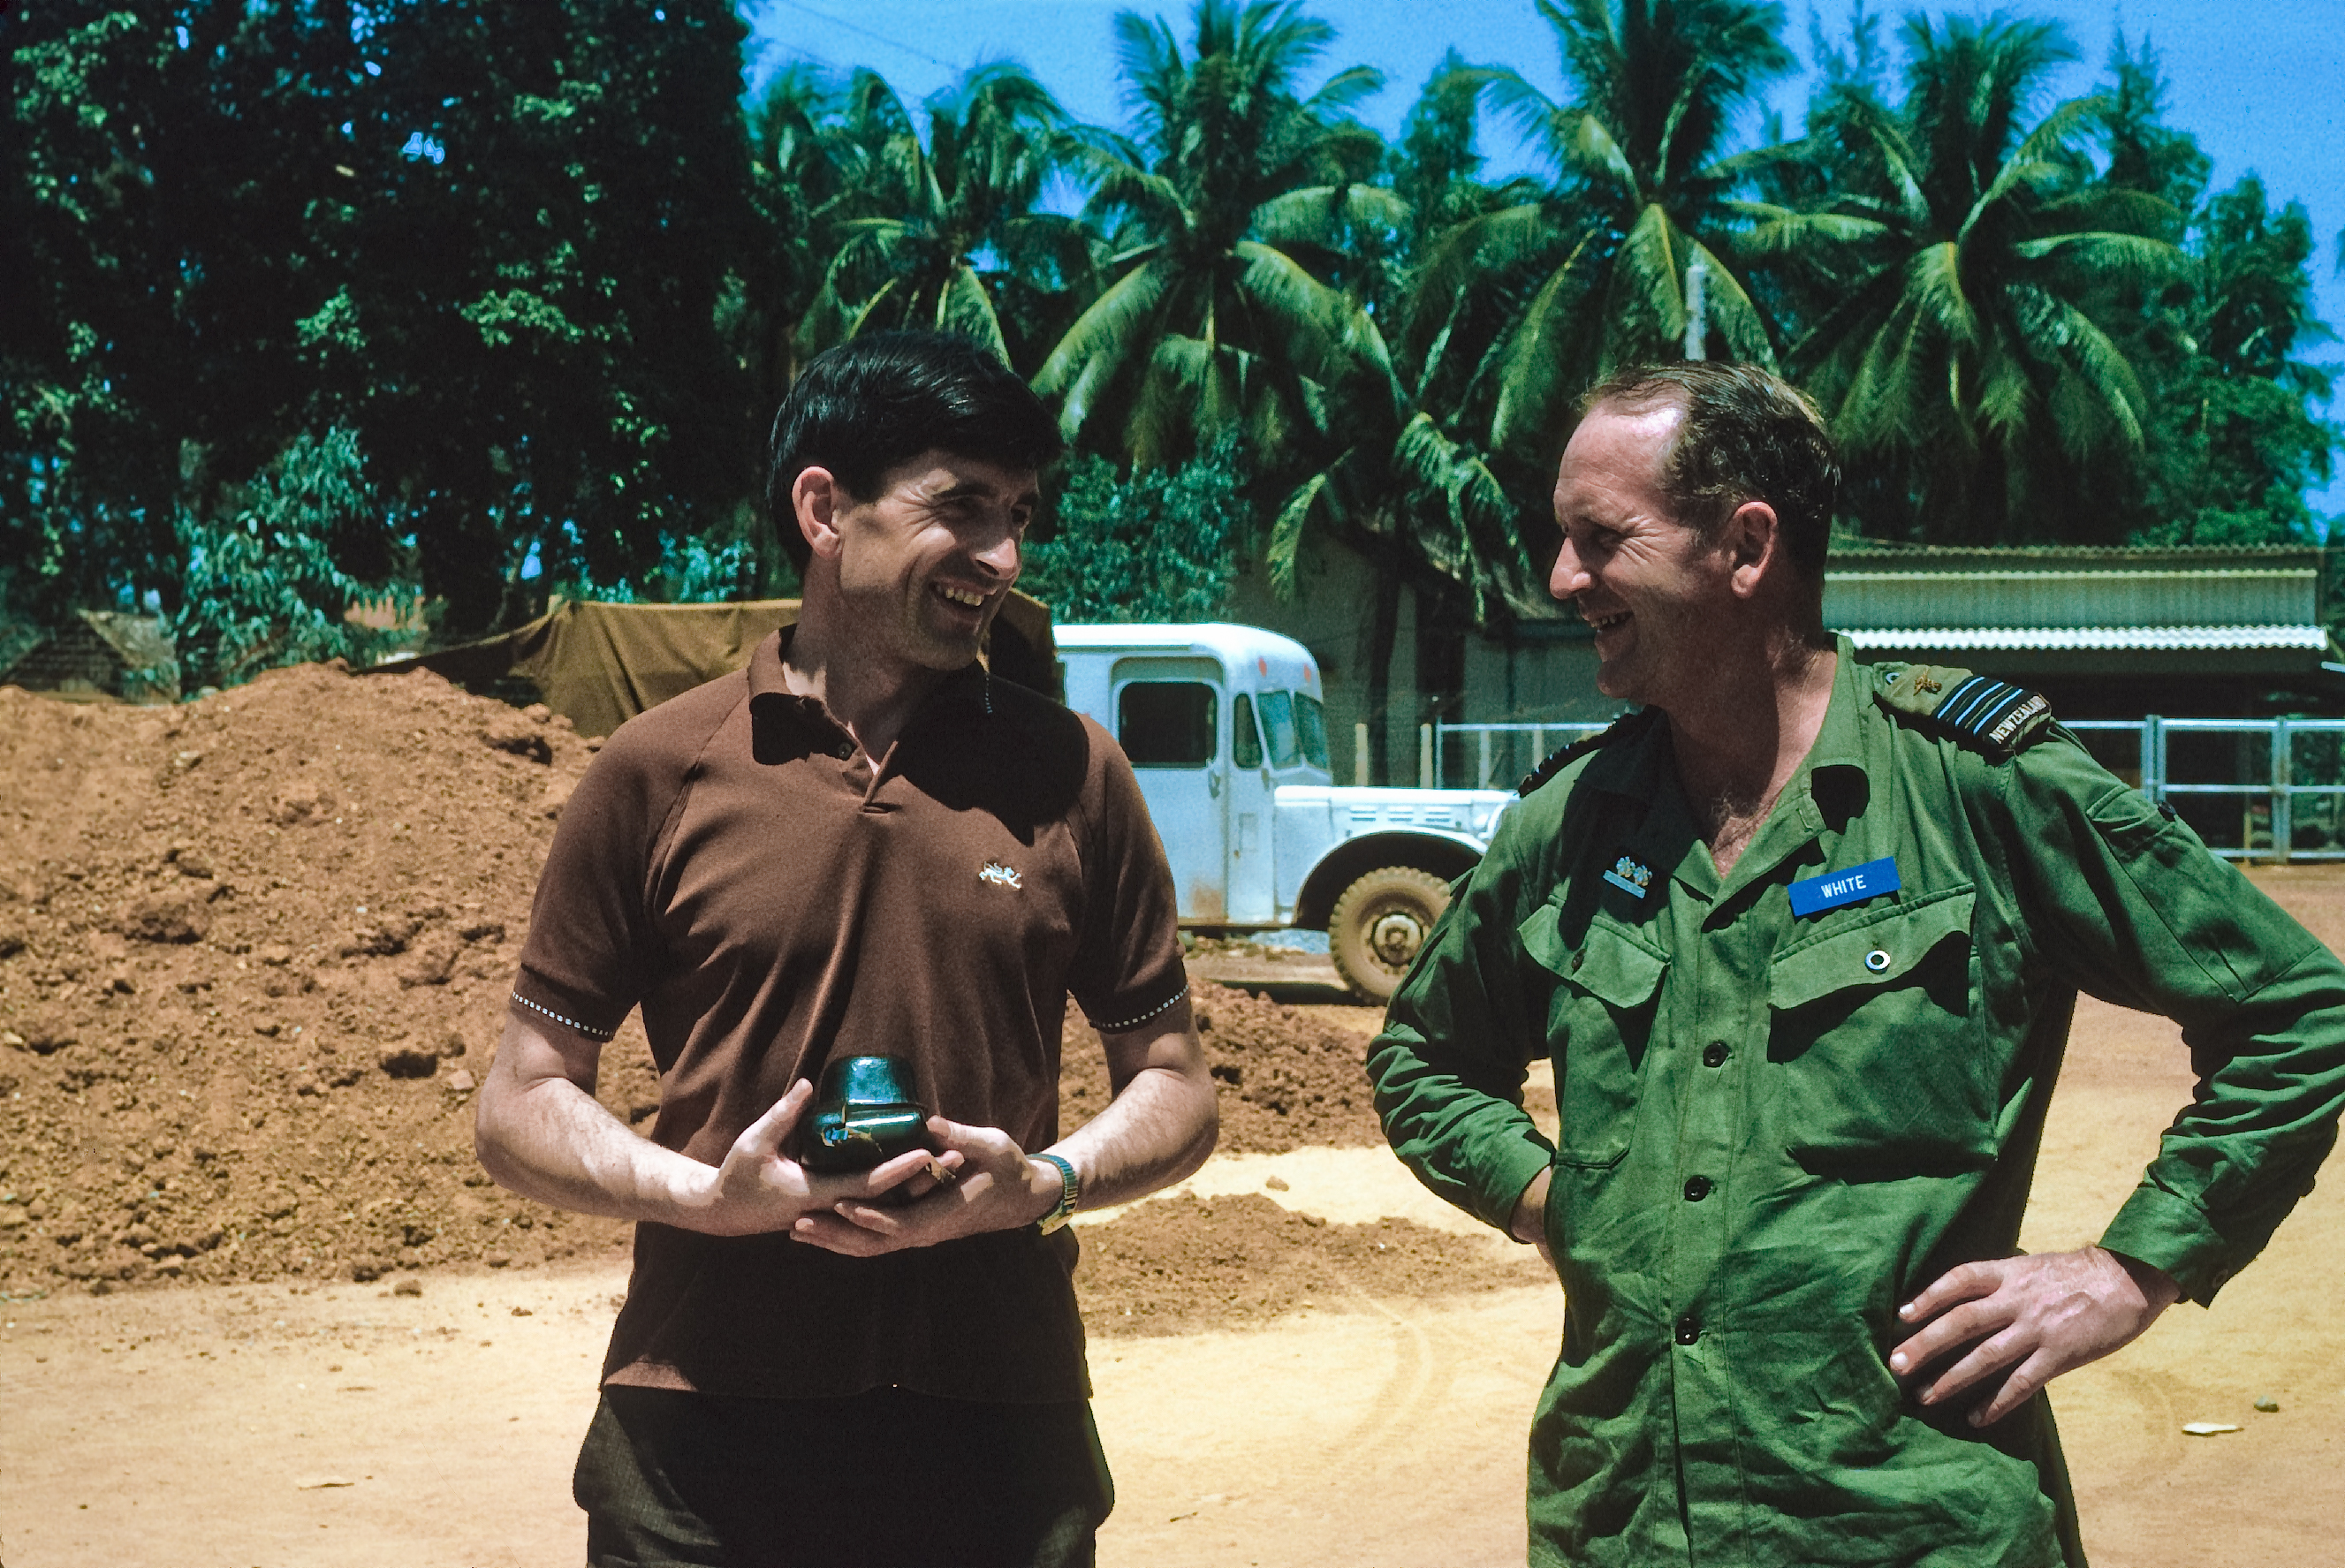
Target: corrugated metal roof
<point>2127,638</point>
<point>2016,598</point>
<point>1874,552</point>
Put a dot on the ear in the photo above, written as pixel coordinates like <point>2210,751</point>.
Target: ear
<point>815,501</point>
<point>1754,540</point>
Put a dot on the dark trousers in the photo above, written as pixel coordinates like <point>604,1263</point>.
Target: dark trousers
<point>886,1479</point>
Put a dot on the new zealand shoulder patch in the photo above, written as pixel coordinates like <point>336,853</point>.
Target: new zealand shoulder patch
<point>1994,717</point>
<point>1625,725</point>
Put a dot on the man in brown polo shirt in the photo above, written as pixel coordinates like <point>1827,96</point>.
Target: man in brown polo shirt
<point>863,845</point>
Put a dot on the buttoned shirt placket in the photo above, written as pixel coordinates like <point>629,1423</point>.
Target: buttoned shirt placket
<point>1701,1102</point>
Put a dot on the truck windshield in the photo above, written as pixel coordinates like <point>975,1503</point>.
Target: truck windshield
<point>1311,723</point>
<point>1166,724</point>
<point>1278,729</point>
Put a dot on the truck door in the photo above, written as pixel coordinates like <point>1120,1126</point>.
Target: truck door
<point>1168,718</point>
<point>1251,809</point>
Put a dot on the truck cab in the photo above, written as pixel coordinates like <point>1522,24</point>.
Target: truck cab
<point>1226,731</point>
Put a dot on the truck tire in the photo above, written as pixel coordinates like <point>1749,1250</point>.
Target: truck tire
<point>1378,924</point>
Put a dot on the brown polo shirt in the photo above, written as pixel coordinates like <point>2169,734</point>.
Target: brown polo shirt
<point>772,898</point>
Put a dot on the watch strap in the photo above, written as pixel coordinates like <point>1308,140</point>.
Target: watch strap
<point>1071,1187</point>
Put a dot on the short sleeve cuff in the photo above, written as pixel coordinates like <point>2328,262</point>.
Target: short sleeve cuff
<point>597,1017</point>
<point>2156,1228</point>
<point>1135,1015</point>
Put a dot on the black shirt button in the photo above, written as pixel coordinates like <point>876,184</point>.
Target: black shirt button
<point>1697,1188</point>
<point>1713,1055</point>
<point>1688,1329</point>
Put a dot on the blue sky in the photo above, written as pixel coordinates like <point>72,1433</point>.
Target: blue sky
<point>2262,86</point>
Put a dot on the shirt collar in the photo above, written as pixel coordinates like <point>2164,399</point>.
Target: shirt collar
<point>968,692</point>
<point>1829,793</point>
<point>1833,790</point>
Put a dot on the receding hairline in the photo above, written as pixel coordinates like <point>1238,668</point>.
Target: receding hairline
<point>1639,408</point>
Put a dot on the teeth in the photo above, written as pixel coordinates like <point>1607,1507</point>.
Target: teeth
<point>1606,622</point>
<point>961,596</point>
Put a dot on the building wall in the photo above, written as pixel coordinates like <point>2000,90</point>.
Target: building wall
<point>1540,674</point>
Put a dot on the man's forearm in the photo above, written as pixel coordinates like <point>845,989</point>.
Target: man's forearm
<point>539,1131</point>
<point>552,1141</point>
<point>1163,1120</point>
<point>1158,1129</point>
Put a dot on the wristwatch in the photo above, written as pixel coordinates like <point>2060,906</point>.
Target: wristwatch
<point>1071,1187</point>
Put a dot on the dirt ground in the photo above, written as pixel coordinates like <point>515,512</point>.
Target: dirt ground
<point>236,1103</point>
<point>344,1424</point>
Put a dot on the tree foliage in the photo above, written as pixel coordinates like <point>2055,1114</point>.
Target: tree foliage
<point>1591,272</point>
<point>1959,339</point>
<point>1211,325</point>
<point>488,238</point>
<point>488,301</point>
<point>1158,545</point>
<point>262,584</point>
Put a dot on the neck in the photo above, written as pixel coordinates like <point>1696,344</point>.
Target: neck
<point>873,693</point>
<point>1743,737</point>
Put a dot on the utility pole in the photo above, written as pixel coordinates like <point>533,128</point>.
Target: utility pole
<point>1696,332</point>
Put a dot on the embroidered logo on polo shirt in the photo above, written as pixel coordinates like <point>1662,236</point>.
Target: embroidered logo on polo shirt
<point>1006,875</point>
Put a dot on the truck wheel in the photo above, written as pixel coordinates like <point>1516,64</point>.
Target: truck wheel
<point>1378,924</point>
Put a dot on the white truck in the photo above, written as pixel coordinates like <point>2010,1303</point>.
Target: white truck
<point>1226,729</point>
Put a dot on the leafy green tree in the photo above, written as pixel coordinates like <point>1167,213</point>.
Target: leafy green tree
<point>2230,441</point>
<point>1212,325</point>
<point>560,189</point>
<point>1962,280</point>
<point>262,583</point>
<point>156,249</point>
<point>1590,272</point>
<point>949,233</point>
<point>491,238</point>
<point>2232,444</point>
<point>1422,506</point>
<point>1160,544</point>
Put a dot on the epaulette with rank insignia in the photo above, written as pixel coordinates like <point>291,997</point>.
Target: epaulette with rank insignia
<point>1619,729</point>
<point>1994,717</point>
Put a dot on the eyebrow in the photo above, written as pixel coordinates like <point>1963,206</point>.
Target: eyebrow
<point>981,488</point>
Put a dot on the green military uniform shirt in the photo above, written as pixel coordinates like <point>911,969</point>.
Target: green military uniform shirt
<point>1777,1128</point>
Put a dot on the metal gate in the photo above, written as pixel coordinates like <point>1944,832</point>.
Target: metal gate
<point>2254,789</point>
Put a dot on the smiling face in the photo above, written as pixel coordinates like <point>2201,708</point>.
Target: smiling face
<point>1652,587</point>
<point>924,565</point>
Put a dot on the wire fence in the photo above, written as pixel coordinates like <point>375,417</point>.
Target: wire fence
<point>2254,789</point>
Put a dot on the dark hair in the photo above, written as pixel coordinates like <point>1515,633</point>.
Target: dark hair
<point>877,401</point>
<point>1746,435</point>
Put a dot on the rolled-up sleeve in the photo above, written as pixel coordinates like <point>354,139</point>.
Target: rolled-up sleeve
<point>2131,906</point>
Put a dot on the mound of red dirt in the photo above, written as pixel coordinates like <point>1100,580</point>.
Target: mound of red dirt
<point>254,956</point>
<point>1176,1265</point>
<point>254,952</point>
<point>1287,1080</point>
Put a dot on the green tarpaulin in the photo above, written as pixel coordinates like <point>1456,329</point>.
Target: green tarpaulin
<point>601,665</point>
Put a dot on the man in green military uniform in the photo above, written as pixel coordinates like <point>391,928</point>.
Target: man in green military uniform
<point>1802,939</point>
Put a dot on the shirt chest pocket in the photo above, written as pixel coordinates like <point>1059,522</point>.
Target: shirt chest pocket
<point>1874,1039</point>
<point>1600,1023</point>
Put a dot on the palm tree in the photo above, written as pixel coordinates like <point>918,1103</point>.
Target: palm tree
<point>1590,272</point>
<point>1954,346</point>
<point>947,234</point>
<point>1421,506</point>
<point>797,180</point>
<point>1212,323</point>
